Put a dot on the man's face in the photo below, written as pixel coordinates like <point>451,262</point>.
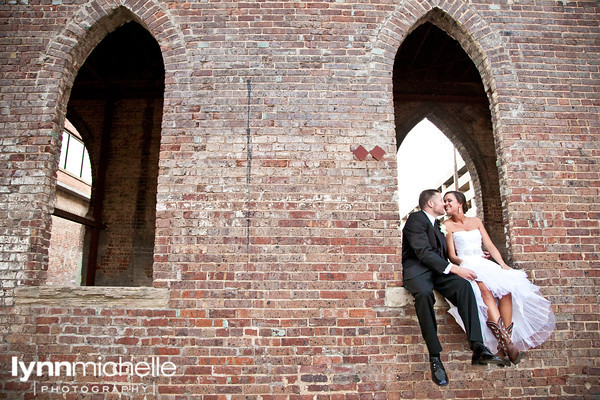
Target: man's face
<point>437,205</point>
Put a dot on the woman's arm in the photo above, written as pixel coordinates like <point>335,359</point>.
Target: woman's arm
<point>450,245</point>
<point>489,245</point>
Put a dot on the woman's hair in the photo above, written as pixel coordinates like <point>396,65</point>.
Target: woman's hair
<point>461,199</point>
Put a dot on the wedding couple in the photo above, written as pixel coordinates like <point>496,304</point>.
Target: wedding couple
<point>495,304</point>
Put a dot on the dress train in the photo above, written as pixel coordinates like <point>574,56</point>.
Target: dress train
<point>532,314</point>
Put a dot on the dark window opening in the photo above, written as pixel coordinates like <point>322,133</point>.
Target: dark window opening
<point>116,102</point>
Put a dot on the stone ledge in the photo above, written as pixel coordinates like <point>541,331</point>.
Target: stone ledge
<point>92,296</point>
<point>397,296</point>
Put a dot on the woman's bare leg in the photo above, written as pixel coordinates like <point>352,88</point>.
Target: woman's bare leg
<point>490,302</point>
<point>505,308</point>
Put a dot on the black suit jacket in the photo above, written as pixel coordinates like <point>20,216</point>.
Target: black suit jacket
<point>423,247</point>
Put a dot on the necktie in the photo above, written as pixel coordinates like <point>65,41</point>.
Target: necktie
<point>438,231</point>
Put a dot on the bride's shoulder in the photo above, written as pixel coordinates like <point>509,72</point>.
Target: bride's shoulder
<point>473,219</point>
<point>449,224</point>
<point>477,220</point>
<point>474,222</point>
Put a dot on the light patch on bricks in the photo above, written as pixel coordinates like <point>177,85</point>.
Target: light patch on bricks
<point>278,332</point>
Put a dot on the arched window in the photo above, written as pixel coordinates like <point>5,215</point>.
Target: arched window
<point>116,101</point>
<point>427,159</point>
<point>434,78</point>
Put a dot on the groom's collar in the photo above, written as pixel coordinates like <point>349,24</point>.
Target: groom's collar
<point>431,218</point>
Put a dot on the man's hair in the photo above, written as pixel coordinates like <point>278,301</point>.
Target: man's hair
<point>426,195</point>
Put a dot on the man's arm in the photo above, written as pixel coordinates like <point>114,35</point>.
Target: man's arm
<point>415,232</point>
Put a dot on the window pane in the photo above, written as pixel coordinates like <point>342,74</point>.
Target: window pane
<point>63,149</point>
<point>86,171</point>
<point>74,156</point>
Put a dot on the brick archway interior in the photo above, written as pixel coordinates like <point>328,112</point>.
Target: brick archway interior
<point>117,104</point>
<point>434,78</point>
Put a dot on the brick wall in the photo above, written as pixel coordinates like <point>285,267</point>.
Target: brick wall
<point>275,244</point>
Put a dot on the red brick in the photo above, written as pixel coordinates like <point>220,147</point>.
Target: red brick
<point>275,239</point>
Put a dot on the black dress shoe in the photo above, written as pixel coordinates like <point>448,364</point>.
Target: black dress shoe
<point>483,356</point>
<point>438,373</point>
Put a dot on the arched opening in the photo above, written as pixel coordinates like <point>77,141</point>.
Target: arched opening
<point>434,78</point>
<point>116,104</point>
<point>448,172</point>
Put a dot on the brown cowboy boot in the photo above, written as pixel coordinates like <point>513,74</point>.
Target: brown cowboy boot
<point>496,330</point>
<point>521,354</point>
<point>504,340</point>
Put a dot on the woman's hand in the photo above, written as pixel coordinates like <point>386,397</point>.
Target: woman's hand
<point>505,266</point>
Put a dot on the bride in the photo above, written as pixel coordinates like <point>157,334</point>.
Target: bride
<point>517,316</point>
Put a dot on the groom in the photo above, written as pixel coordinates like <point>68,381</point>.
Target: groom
<point>426,267</point>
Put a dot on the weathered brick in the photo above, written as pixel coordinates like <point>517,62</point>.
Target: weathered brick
<point>279,249</point>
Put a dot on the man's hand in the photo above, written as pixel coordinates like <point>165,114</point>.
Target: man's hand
<point>487,255</point>
<point>463,272</point>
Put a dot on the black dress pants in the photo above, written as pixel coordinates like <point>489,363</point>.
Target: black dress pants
<point>455,289</point>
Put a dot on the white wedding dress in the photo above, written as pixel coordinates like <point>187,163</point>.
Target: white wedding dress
<point>532,314</point>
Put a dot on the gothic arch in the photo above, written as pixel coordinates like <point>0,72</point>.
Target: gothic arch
<point>479,40</point>
<point>482,43</point>
<point>467,150</point>
<point>485,50</point>
<point>68,51</point>
<point>466,147</point>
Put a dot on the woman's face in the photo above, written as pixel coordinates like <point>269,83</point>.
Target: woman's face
<point>451,205</point>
